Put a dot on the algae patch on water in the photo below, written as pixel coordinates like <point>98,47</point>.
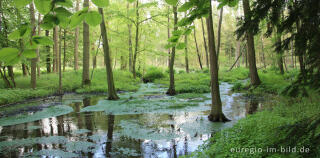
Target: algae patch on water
<point>46,113</point>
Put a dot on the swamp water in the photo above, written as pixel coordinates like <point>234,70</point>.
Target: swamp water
<point>146,123</point>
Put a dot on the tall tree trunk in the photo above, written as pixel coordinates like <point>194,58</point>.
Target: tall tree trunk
<point>86,50</point>
<point>112,94</point>
<point>130,40</point>
<point>197,48</point>
<point>38,49</point>
<point>262,54</point>
<point>216,113</point>
<point>171,91</point>
<point>255,80</point>
<point>300,52</point>
<point>55,48</point>
<point>186,53</point>
<point>76,42</point>
<point>219,34</point>
<point>205,43</point>
<point>48,60</point>
<point>60,92</point>
<point>64,49</point>
<point>238,52</point>
<point>24,69</point>
<point>34,60</point>
<point>279,55</point>
<point>168,35</point>
<point>292,55</point>
<point>136,40</point>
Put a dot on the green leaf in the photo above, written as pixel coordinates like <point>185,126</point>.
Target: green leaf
<point>49,21</point>
<point>181,45</point>
<point>93,18</point>
<point>63,21</point>
<point>21,3</point>
<point>43,6</point>
<point>15,35</point>
<point>65,3</point>
<point>62,12</point>
<point>101,3</point>
<point>172,2</point>
<point>29,53</point>
<point>78,17</point>
<point>9,55</point>
<point>186,6</point>
<point>42,40</point>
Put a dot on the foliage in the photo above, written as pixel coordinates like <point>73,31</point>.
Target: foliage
<point>152,74</point>
<point>47,85</point>
<point>265,130</point>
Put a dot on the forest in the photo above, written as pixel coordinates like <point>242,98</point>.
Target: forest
<point>160,78</point>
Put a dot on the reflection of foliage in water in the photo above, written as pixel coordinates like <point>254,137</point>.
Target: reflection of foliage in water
<point>124,152</point>
<point>137,131</point>
<point>52,153</point>
<point>46,113</point>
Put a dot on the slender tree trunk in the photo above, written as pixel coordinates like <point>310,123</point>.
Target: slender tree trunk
<point>76,42</point>
<point>86,51</point>
<point>136,40</point>
<point>279,55</point>
<point>216,113</point>
<point>60,91</point>
<point>48,60</point>
<point>197,48</point>
<point>64,49</point>
<point>186,53</point>
<point>4,76</point>
<point>219,34</point>
<point>171,91</point>
<point>55,48</point>
<point>262,53</point>
<point>34,60</point>
<point>38,50</point>
<point>300,52</point>
<point>24,69</point>
<point>255,80</point>
<point>205,43</point>
<point>238,53</point>
<point>292,55</point>
<point>169,36</point>
<point>112,94</point>
<point>130,40</point>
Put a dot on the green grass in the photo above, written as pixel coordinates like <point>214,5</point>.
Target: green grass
<point>47,85</point>
<point>281,124</point>
<point>199,82</point>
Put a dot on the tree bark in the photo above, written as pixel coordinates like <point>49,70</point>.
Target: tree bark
<point>216,114</point>
<point>112,94</point>
<point>38,49</point>
<point>48,60</point>
<point>171,91</point>
<point>60,92</point>
<point>64,49</point>
<point>219,34</point>
<point>136,40</point>
<point>197,48</point>
<point>255,80</point>
<point>279,55</point>
<point>24,69</point>
<point>55,48</point>
<point>86,50</point>
<point>168,36</point>
<point>205,43</point>
<point>186,53</point>
<point>262,54</point>
<point>238,53</point>
<point>130,40</point>
<point>76,42</point>
<point>34,60</point>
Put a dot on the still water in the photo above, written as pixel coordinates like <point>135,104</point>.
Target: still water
<point>146,123</point>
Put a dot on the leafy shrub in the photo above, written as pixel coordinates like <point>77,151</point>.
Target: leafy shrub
<point>152,74</point>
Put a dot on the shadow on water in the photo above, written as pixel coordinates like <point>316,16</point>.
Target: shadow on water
<point>90,126</point>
